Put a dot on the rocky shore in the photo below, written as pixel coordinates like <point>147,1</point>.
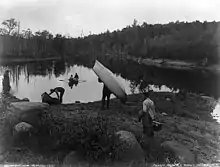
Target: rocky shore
<point>60,135</point>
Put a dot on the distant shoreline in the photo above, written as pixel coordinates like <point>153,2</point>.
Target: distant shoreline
<point>160,63</point>
<point>171,64</point>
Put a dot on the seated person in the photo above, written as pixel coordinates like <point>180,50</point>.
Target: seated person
<point>76,76</point>
<point>73,81</point>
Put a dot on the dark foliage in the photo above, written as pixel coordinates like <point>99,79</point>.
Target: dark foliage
<point>178,41</point>
<point>93,137</point>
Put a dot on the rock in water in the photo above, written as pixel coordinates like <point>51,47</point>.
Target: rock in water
<point>29,112</point>
<point>127,148</point>
<point>74,160</point>
<point>181,152</point>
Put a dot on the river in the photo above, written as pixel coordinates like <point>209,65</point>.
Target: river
<point>32,79</point>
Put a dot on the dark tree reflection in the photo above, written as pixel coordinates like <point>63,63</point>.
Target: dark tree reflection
<point>59,68</point>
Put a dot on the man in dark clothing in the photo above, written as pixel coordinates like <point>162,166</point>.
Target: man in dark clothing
<point>49,100</point>
<point>58,90</point>
<point>105,93</point>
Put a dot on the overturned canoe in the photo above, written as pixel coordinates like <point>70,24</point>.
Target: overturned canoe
<point>110,81</point>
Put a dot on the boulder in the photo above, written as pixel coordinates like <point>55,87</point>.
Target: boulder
<point>74,160</point>
<point>181,152</point>
<point>23,131</point>
<point>127,148</point>
<point>22,116</point>
<point>23,127</point>
<point>29,112</point>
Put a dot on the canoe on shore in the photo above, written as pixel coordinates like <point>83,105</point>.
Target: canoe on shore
<point>110,81</point>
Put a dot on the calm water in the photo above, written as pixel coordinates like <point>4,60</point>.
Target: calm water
<point>33,85</point>
<point>32,79</point>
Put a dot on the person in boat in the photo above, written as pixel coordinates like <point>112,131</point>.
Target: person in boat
<point>6,82</point>
<point>73,81</point>
<point>147,115</point>
<point>76,77</point>
<point>46,98</point>
<point>59,92</point>
<point>106,93</point>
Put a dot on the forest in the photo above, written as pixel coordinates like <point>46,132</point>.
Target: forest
<point>190,42</point>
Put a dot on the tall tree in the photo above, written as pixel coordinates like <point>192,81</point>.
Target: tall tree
<point>9,26</point>
<point>45,34</point>
<point>27,34</point>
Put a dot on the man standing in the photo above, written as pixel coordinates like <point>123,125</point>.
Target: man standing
<point>58,90</point>
<point>105,93</point>
<point>147,115</point>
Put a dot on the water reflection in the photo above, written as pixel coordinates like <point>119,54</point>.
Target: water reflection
<point>32,79</point>
<point>193,81</point>
<point>59,68</point>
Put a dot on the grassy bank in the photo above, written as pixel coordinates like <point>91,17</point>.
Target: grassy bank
<point>188,122</point>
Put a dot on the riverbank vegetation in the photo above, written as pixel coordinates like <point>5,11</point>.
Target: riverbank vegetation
<point>190,42</point>
<point>188,123</point>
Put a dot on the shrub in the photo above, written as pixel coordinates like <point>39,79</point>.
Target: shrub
<point>92,136</point>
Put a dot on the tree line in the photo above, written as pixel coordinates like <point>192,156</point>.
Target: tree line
<point>185,41</point>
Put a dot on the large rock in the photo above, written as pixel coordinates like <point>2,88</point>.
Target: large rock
<point>181,152</point>
<point>127,148</point>
<point>29,112</point>
<point>23,127</point>
<point>74,160</point>
<point>23,131</point>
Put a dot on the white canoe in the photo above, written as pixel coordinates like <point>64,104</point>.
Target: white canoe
<point>110,81</point>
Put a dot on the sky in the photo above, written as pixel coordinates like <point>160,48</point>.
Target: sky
<point>72,17</point>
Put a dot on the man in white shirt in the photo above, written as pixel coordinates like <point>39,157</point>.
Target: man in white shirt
<point>147,115</point>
